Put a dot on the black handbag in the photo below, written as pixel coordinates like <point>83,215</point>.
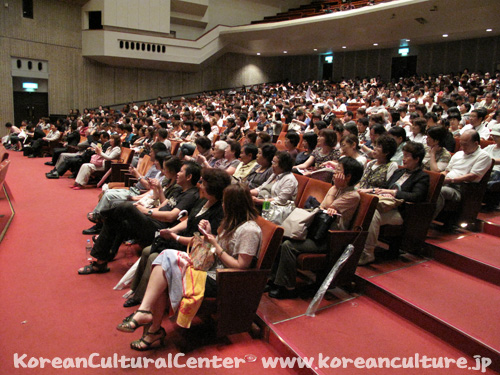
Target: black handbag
<point>319,227</point>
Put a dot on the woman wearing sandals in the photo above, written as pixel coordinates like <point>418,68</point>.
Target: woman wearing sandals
<point>237,243</point>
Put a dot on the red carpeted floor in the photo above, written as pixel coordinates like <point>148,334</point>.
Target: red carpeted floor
<point>48,310</point>
<point>468,246</point>
<point>362,328</point>
<point>461,300</point>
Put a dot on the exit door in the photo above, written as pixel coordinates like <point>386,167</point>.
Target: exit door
<point>30,106</point>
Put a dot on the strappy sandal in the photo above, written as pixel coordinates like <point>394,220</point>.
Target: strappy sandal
<point>126,324</point>
<point>94,267</point>
<point>142,345</point>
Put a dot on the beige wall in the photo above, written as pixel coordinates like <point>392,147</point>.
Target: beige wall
<point>75,82</point>
<point>235,13</point>
<point>143,15</point>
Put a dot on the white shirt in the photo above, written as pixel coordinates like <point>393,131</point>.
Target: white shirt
<point>494,152</point>
<point>483,130</point>
<point>461,164</point>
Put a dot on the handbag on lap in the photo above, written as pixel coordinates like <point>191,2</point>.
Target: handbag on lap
<point>202,253</point>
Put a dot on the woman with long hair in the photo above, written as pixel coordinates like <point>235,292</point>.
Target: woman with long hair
<point>236,244</point>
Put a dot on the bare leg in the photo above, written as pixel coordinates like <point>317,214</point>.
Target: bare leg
<point>154,300</point>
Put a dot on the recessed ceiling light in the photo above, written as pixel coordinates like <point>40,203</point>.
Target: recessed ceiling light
<point>344,47</point>
<point>407,40</point>
<point>315,49</point>
<point>488,30</point>
<point>445,35</point>
<point>285,51</point>
<point>258,53</point>
<point>375,44</point>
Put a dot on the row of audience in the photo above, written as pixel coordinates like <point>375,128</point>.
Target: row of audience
<point>219,183</point>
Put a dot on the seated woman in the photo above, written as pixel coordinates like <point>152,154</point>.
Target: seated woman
<point>208,207</point>
<point>282,186</point>
<point>217,156</point>
<point>236,245</point>
<point>248,162</point>
<point>418,128</point>
<point>340,199</point>
<point>409,183</point>
<point>129,221</point>
<point>349,146</point>
<point>309,142</point>
<point>263,170</point>
<point>292,139</point>
<point>437,156</point>
<point>113,152</point>
<point>325,151</point>
<point>379,170</point>
<point>231,155</point>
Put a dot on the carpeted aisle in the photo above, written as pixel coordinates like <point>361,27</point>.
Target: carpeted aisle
<point>48,310</point>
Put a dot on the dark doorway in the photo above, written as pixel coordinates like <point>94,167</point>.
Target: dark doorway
<point>95,20</point>
<point>30,106</point>
<point>327,71</point>
<point>404,66</point>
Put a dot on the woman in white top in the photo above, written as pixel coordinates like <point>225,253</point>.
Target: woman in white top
<point>113,152</point>
<point>236,245</point>
<point>417,133</point>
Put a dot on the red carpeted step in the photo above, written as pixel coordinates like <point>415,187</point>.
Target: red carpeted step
<point>477,254</point>
<point>363,328</point>
<point>458,300</point>
<point>482,247</point>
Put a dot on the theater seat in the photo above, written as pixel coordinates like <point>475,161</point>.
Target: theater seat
<point>239,291</point>
<point>337,242</point>
<point>314,188</point>
<point>410,236</point>
<point>112,167</point>
<point>302,180</point>
<point>465,211</point>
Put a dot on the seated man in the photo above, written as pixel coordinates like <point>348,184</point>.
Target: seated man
<point>468,165</point>
<point>53,135</point>
<point>477,123</point>
<point>71,138</point>
<point>73,162</point>
<point>341,199</point>
<point>137,222</point>
<point>113,197</point>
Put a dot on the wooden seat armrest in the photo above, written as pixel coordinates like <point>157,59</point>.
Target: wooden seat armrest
<point>238,296</point>
<point>338,240</point>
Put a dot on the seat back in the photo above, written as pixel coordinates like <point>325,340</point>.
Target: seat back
<point>239,291</point>
<point>436,180</point>
<point>315,188</point>
<point>144,164</point>
<point>126,155</point>
<point>4,166</point>
<point>175,147</point>
<point>3,153</point>
<point>484,143</point>
<point>272,235</point>
<point>366,209</point>
<point>280,143</point>
<point>302,180</point>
